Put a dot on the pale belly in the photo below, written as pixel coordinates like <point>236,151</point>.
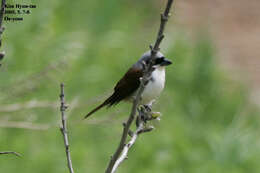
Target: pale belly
<point>154,88</point>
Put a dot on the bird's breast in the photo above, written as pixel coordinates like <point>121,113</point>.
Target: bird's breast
<point>155,86</point>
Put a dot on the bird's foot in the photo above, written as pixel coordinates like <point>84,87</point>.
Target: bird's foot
<point>146,113</point>
<point>148,108</point>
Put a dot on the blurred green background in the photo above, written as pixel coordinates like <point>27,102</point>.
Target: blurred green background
<point>208,123</point>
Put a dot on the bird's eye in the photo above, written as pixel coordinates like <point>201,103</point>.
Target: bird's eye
<point>159,60</point>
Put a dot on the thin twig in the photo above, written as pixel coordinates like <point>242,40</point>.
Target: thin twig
<point>164,18</point>
<point>63,128</point>
<point>2,54</point>
<point>11,152</point>
<point>2,12</point>
<point>144,81</point>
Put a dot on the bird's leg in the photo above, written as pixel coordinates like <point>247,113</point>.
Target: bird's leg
<point>149,114</point>
<point>142,115</point>
<point>138,118</point>
<point>146,112</point>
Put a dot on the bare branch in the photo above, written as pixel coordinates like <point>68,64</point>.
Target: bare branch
<point>2,13</point>
<point>125,133</point>
<point>160,36</point>
<point>114,162</point>
<point>2,54</point>
<point>11,152</point>
<point>63,128</point>
<point>124,152</point>
<point>140,129</point>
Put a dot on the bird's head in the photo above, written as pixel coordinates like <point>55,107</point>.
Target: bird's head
<point>160,60</point>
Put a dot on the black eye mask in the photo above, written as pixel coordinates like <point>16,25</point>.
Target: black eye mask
<point>159,60</point>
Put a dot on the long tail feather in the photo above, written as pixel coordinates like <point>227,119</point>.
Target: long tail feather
<point>108,102</point>
<point>96,109</point>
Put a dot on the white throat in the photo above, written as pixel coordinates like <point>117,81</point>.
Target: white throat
<point>154,87</point>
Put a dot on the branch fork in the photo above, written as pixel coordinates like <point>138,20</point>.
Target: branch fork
<point>141,127</point>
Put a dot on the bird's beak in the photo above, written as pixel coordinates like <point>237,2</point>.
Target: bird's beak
<point>166,62</point>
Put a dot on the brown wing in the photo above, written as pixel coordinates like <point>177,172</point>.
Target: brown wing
<point>127,85</point>
<point>123,89</point>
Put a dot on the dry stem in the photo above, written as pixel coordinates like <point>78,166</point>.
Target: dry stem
<point>63,128</point>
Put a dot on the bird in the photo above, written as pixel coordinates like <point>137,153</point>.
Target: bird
<point>126,87</point>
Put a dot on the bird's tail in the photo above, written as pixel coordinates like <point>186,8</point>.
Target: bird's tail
<point>96,109</point>
<point>108,102</point>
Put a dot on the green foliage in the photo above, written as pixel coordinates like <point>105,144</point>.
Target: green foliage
<point>208,124</point>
